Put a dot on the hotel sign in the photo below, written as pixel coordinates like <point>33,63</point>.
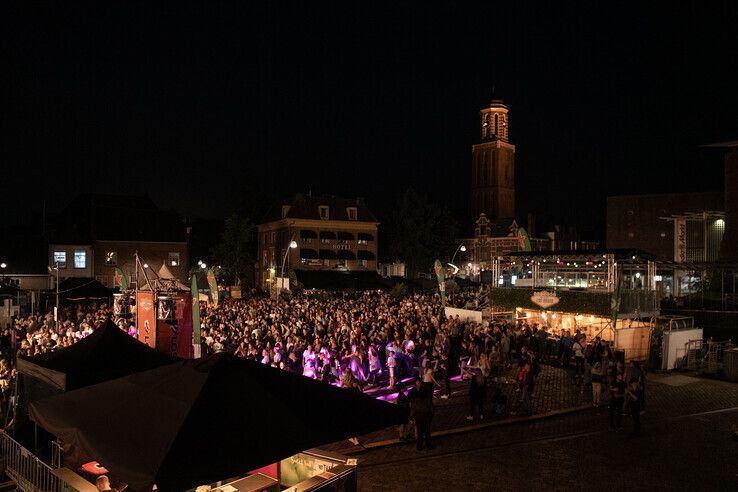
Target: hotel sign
<point>544,299</point>
<point>680,240</point>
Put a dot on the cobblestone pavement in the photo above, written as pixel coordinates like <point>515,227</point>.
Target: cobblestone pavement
<point>686,444</point>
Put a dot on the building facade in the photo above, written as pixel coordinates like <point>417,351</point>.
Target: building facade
<point>330,233</point>
<point>676,227</point>
<point>493,166</point>
<point>96,234</point>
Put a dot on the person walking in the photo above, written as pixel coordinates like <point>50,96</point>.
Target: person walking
<point>477,395</point>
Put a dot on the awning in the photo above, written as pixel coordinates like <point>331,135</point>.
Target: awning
<point>308,254</point>
<point>345,236</point>
<point>364,236</point>
<point>327,254</point>
<point>344,254</point>
<point>305,234</point>
<point>365,255</point>
<point>327,235</point>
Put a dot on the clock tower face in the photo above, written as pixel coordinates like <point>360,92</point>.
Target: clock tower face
<point>493,166</point>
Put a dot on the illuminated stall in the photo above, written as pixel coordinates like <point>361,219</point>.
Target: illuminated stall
<point>606,293</point>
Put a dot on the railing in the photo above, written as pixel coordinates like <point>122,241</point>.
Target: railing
<point>23,467</point>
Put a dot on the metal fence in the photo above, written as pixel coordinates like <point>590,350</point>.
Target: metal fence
<point>23,467</point>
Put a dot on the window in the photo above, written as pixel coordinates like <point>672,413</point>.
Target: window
<point>60,259</point>
<point>351,213</point>
<point>323,210</point>
<point>80,258</point>
<point>111,258</point>
<point>174,259</point>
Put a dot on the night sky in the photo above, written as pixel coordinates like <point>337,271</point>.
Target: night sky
<point>200,104</point>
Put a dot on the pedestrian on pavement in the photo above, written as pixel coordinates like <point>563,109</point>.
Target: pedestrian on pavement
<point>617,399</point>
<point>633,395</point>
<point>578,349</point>
<point>422,410</point>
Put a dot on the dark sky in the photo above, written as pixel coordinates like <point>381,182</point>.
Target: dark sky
<point>200,103</point>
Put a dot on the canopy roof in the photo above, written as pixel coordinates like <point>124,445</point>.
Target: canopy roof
<point>198,421</point>
<point>106,354</point>
<point>80,288</point>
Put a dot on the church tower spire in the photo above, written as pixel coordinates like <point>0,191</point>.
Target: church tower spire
<point>493,166</point>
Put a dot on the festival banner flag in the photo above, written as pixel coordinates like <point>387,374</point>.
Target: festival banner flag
<point>213,284</point>
<point>146,319</point>
<point>523,239</point>
<point>195,313</point>
<point>441,276</point>
<point>120,279</point>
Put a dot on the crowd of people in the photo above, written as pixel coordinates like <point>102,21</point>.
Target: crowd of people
<point>370,340</point>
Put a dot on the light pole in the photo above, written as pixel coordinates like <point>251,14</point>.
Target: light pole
<point>56,314</point>
<point>293,245</point>
<point>3,266</point>
<point>461,248</point>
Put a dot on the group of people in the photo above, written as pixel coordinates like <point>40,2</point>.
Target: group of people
<point>371,339</point>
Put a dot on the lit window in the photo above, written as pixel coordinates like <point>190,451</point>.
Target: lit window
<point>80,258</point>
<point>174,259</point>
<point>351,213</point>
<point>111,258</point>
<point>323,209</point>
<point>60,259</point>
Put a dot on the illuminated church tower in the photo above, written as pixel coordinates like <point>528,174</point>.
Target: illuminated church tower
<point>493,166</point>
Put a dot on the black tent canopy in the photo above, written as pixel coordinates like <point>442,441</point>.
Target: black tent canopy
<point>198,421</point>
<point>107,353</point>
<point>81,288</point>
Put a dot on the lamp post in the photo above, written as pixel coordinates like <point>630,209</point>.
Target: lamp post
<point>56,314</point>
<point>293,245</point>
<point>3,266</point>
<point>461,248</point>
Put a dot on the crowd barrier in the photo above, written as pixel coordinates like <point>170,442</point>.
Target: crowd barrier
<point>29,473</point>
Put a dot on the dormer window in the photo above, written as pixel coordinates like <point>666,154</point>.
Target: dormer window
<point>285,210</point>
<point>323,211</point>
<point>351,211</point>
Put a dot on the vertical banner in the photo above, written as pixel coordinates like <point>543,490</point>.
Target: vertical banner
<point>146,320</point>
<point>120,279</point>
<point>195,314</point>
<point>183,333</point>
<point>523,239</point>
<point>441,276</point>
<point>680,240</point>
<point>213,284</point>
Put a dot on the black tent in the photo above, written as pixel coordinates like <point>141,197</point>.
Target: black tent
<point>198,421</point>
<point>107,353</point>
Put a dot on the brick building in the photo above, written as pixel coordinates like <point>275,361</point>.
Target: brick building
<point>331,234</point>
<point>96,233</point>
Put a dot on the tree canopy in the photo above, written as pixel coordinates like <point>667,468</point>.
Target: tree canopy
<point>235,251</point>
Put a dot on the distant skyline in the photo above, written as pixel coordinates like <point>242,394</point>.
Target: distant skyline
<point>198,103</point>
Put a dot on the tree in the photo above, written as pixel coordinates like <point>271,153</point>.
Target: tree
<point>420,232</point>
<point>235,251</point>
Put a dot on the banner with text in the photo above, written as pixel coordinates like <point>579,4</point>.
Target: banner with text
<point>680,240</point>
<point>146,319</point>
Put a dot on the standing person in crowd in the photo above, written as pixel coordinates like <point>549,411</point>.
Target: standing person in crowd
<point>524,381</point>
<point>578,349</point>
<point>477,394</point>
<point>391,366</point>
<point>422,412</point>
<point>637,372</point>
<point>633,394</point>
<point>403,401</point>
<point>617,399</point>
<point>597,377</point>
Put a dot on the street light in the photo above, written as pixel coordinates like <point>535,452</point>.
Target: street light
<point>55,268</point>
<point>293,245</point>
<point>461,248</point>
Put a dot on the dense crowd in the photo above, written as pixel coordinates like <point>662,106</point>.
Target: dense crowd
<point>373,340</point>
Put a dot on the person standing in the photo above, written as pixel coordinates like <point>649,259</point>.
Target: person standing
<point>422,411</point>
<point>617,399</point>
<point>633,395</point>
<point>403,401</point>
<point>597,377</point>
